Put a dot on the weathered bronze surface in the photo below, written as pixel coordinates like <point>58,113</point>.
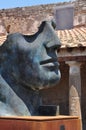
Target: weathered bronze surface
<point>27,64</point>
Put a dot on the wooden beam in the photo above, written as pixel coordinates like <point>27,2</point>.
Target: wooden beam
<point>72,58</point>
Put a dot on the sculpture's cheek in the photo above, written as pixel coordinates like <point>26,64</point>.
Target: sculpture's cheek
<point>36,77</point>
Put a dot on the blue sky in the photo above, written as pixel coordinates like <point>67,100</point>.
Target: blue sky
<point>21,3</point>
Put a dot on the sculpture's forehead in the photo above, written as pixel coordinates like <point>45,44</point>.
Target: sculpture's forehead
<point>45,35</point>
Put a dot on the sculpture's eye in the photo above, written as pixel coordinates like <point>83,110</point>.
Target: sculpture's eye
<point>30,38</point>
<point>52,48</point>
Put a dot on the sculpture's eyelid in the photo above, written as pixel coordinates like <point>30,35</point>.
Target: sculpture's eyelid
<point>56,47</point>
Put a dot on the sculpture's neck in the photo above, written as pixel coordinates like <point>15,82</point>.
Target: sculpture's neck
<point>30,97</point>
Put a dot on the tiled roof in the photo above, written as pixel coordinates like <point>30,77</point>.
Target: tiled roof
<point>69,38</point>
<point>73,38</point>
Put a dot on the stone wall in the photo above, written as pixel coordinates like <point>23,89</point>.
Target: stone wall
<point>27,19</point>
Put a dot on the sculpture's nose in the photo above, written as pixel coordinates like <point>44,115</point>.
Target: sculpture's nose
<point>51,37</point>
<point>54,43</point>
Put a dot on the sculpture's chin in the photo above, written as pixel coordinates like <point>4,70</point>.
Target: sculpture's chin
<point>53,80</point>
<point>42,80</point>
<point>48,81</point>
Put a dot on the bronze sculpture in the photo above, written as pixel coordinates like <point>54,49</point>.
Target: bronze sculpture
<point>27,64</point>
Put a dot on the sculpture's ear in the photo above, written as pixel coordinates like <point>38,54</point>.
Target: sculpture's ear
<point>53,23</point>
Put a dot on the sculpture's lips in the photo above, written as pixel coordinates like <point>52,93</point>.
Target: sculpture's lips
<point>50,64</point>
<point>51,60</point>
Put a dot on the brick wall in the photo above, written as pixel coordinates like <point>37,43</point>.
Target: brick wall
<point>27,19</point>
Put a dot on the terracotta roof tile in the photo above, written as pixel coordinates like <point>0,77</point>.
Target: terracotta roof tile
<point>73,37</point>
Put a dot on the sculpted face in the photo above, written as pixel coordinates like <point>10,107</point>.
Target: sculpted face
<point>32,60</point>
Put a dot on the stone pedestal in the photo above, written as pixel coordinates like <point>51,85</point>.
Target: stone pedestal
<point>40,123</point>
